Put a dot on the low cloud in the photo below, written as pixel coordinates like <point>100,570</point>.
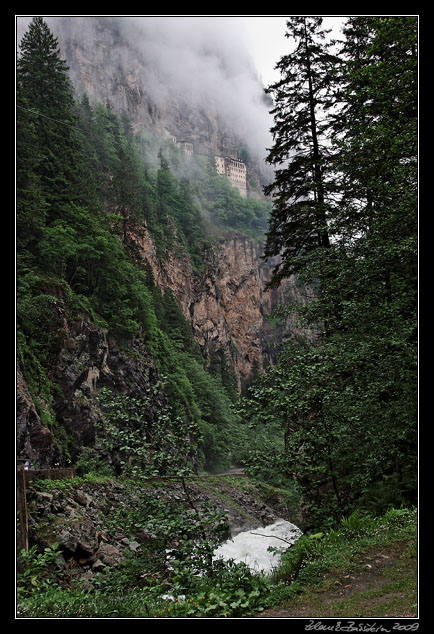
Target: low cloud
<point>197,59</point>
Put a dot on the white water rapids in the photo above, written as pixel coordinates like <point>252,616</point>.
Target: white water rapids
<point>251,547</point>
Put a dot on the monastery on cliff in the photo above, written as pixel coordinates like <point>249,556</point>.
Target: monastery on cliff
<point>234,170</point>
<point>229,166</point>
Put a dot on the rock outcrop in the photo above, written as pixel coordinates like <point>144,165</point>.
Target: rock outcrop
<point>110,60</point>
<point>232,304</point>
<point>88,520</point>
<point>83,360</point>
<point>228,306</point>
<point>34,440</point>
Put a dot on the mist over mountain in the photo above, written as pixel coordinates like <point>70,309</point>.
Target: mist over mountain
<point>154,230</point>
<point>170,72</point>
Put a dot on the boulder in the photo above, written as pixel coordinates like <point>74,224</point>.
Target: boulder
<point>109,555</point>
<point>83,498</point>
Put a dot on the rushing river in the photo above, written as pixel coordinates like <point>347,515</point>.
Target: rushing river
<point>251,547</point>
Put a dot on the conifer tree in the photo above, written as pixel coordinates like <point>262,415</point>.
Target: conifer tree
<point>347,401</point>
<point>298,222</point>
<point>31,208</point>
<point>127,189</point>
<point>375,130</point>
<point>42,78</point>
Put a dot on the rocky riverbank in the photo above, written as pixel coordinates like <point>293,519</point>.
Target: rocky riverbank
<point>93,521</point>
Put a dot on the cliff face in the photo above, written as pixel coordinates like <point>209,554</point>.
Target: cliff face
<point>83,360</point>
<point>108,67</point>
<point>228,305</point>
<point>170,77</point>
<point>231,304</point>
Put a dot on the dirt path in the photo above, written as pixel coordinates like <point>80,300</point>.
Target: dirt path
<point>382,583</point>
<point>233,471</point>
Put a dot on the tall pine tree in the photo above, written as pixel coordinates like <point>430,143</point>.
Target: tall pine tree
<point>375,131</point>
<point>347,401</point>
<point>31,208</point>
<point>46,91</point>
<point>301,204</point>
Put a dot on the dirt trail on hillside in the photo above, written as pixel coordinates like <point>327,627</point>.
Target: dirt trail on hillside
<point>383,584</point>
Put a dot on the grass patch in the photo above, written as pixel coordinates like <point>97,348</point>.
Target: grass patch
<point>66,484</point>
<point>365,569</point>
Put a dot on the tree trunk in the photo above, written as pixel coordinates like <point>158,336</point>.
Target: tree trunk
<point>323,238</point>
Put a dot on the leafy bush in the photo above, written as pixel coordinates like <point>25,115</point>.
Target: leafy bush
<point>38,571</point>
<point>295,557</point>
<point>357,522</point>
<point>90,461</point>
<point>149,584</point>
<point>142,436</point>
<point>231,591</point>
<point>234,592</point>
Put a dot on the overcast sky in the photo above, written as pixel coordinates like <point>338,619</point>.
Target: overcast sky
<point>267,41</point>
<point>264,35</point>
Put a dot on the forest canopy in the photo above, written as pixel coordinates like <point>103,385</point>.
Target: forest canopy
<point>344,218</point>
<point>336,417</point>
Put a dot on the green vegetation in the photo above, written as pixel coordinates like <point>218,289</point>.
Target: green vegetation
<point>365,567</point>
<point>173,575</point>
<point>137,446</point>
<point>85,184</point>
<point>334,422</point>
<point>345,220</point>
<point>174,559</point>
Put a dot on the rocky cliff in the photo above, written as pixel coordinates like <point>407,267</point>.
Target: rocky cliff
<point>83,359</point>
<point>174,79</point>
<point>227,305</point>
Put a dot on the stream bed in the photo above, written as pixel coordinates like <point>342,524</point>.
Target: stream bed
<point>251,547</point>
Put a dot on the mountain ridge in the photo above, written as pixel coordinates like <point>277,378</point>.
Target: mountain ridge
<point>181,234</point>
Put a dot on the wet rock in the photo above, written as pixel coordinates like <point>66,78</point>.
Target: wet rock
<point>134,546</point>
<point>67,541</point>
<point>109,555</point>
<point>88,540</point>
<point>98,565</point>
<point>43,495</point>
<point>34,439</point>
<point>80,538</point>
<point>83,498</point>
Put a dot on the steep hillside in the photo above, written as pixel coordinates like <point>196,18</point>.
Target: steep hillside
<point>140,264</point>
<point>228,304</point>
<point>173,78</point>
